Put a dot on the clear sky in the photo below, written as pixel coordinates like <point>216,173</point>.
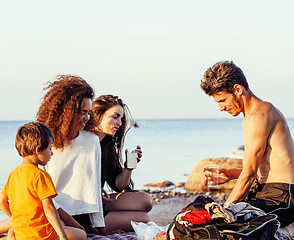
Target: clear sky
<point>151,53</point>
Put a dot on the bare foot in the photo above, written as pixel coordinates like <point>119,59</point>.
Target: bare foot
<point>10,235</point>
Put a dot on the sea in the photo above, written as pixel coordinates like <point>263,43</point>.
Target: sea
<point>171,148</point>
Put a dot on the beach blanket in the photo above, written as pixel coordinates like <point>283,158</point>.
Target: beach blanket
<point>116,236</point>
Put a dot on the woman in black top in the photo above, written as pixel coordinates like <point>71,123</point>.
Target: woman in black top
<point>109,122</point>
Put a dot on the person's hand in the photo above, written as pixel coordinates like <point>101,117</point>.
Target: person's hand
<point>99,230</point>
<point>138,150</point>
<point>105,197</point>
<point>222,174</point>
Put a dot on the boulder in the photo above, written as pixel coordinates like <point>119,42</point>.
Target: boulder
<point>195,182</point>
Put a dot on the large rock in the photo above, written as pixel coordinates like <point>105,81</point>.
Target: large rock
<point>195,182</point>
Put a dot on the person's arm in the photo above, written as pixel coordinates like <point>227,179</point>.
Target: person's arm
<point>53,217</point>
<point>68,219</point>
<point>4,205</point>
<point>256,130</point>
<point>123,179</point>
<point>224,175</point>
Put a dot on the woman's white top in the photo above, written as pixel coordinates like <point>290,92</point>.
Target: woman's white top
<point>76,174</point>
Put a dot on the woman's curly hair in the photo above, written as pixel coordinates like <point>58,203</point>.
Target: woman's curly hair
<point>61,104</point>
<point>111,146</point>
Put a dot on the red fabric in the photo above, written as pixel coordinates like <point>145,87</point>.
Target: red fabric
<point>197,217</point>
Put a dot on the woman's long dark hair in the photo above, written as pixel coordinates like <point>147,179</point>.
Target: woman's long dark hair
<point>111,146</point>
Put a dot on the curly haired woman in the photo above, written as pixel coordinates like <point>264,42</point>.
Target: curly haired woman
<point>109,122</point>
<point>75,166</point>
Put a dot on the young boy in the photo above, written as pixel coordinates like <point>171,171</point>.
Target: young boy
<point>28,192</point>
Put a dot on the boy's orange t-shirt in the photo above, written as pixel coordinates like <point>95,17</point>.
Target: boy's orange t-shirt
<point>26,187</point>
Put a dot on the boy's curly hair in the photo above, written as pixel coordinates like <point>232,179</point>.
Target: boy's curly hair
<point>61,104</point>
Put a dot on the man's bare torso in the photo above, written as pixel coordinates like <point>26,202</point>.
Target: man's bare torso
<point>277,163</point>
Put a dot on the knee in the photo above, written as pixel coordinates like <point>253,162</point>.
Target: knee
<point>147,201</point>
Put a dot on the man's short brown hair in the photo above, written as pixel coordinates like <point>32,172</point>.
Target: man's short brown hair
<point>222,76</point>
<point>32,135</point>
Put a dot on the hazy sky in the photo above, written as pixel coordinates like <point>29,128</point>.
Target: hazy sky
<point>151,53</point>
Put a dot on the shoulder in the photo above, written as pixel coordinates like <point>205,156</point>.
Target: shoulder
<point>13,173</point>
<point>42,176</point>
<point>32,169</point>
<point>261,120</point>
<point>84,138</point>
<point>88,139</point>
<point>34,172</point>
<point>89,135</point>
<point>265,111</point>
<point>262,111</point>
<point>39,172</point>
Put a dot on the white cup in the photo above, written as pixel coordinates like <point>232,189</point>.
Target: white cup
<point>212,172</point>
<point>132,159</point>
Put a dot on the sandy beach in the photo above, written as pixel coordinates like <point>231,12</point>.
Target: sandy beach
<point>164,211</point>
<point>168,203</point>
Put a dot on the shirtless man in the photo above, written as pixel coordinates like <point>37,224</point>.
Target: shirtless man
<point>266,179</point>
